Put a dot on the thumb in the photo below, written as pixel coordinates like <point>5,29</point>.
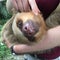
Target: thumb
<point>14,2</point>
<point>21,48</point>
<point>34,7</point>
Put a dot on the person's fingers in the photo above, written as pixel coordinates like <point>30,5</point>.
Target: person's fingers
<point>26,5</point>
<point>23,5</point>
<point>20,5</point>
<point>14,3</point>
<point>34,6</point>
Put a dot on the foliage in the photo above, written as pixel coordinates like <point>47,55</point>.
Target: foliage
<point>4,15</point>
<point>4,51</point>
<point>3,11</point>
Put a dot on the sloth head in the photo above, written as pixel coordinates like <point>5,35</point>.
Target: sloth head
<point>29,25</point>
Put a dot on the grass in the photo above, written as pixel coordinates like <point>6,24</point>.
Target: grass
<point>5,53</point>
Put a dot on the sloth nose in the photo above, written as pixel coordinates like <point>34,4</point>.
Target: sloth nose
<point>28,30</point>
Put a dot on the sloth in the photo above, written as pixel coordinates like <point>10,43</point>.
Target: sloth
<point>24,28</point>
<point>28,28</point>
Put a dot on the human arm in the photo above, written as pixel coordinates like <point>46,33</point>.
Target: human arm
<point>51,40</point>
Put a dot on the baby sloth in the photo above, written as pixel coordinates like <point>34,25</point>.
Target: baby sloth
<point>25,28</point>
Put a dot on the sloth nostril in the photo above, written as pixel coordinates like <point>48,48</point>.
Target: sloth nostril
<point>25,28</point>
<point>30,33</point>
<point>28,30</point>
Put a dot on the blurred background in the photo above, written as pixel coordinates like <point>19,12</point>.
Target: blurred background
<point>5,53</point>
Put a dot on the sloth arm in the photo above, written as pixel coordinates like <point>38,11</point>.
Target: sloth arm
<point>7,33</point>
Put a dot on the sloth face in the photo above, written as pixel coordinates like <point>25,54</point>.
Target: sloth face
<point>32,27</point>
<point>29,28</point>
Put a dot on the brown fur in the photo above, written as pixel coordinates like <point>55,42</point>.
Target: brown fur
<point>14,35</point>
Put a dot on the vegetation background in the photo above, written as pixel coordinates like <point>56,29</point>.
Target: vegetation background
<point>5,53</point>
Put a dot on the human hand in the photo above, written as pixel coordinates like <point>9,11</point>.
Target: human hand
<point>21,5</point>
<point>51,40</point>
<point>24,5</point>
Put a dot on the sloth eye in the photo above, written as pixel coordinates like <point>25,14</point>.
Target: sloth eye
<point>20,24</point>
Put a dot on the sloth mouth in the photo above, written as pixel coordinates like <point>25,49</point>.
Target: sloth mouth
<point>30,38</point>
